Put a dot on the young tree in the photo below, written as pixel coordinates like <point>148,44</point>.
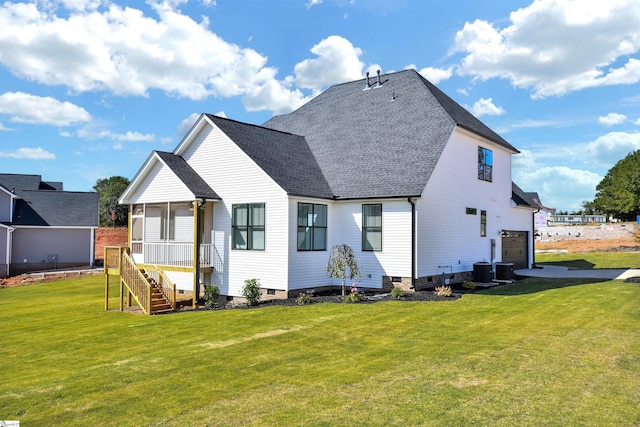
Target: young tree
<point>343,263</point>
<point>618,193</point>
<point>109,190</point>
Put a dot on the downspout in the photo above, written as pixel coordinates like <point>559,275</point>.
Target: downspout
<point>413,243</point>
<point>9,246</point>
<point>533,241</point>
<point>196,250</point>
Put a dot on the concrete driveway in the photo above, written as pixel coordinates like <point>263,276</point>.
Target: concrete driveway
<point>552,271</point>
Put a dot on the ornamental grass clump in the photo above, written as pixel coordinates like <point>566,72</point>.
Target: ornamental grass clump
<point>469,285</point>
<point>397,292</point>
<point>443,291</point>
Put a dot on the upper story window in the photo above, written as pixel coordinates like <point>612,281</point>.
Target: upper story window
<point>312,227</point>
<point>248,226</point>
<point>483,223</point>
<point>372,227</point>
<point>485,164</point>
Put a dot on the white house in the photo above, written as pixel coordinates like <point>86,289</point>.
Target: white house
<point>415,184</point>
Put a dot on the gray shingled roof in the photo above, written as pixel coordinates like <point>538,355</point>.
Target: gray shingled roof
<point>381,141</point>
<point>19,182</point>
<point>285,157</point>
<point>188,176</point>
<point>522,198</point>
<point>56,208</point>
<point>44,204</point>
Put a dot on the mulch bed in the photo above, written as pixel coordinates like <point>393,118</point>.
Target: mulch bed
<point>337,298</point>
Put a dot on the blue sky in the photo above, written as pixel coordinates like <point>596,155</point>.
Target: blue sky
<point>88,88</point>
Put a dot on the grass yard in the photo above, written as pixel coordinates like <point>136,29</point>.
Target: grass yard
<point>589,260</point>
<point>538,352</point>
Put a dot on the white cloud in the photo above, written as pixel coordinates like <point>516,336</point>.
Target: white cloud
<point>128,136</point>
<point>612,119</point>
<point>436,75</point>
<point>637,122</point>
<point>313,3</point>
<point>26,108</point>
<point>28,153</point>
<point>608,149</point>
<point>337,61</point>
<point>101,46</point>
<point>556,46</point>
<point>560,187</point>
<point>186,124</point>
<point>463,91</point>
<point>485,106</point>
<point>4,128</point>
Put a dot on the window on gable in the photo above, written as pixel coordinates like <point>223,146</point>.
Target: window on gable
<point>483,223</point>
<point>248,226</point>
<point>485,164</point>
<point>372,227</point>
<point>312,227</point>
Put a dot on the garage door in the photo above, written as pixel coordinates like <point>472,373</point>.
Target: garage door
<point>514,248</point>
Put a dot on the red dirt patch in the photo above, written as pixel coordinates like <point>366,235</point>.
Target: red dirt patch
<point>109,237</point>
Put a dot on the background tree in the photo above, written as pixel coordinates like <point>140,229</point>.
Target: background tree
<point>343,263</point>
<point>109,190</point>
<point>618,194</point>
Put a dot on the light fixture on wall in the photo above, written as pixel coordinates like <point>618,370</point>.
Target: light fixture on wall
<point>504,233</point>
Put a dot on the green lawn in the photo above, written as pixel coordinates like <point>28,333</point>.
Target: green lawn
<point>539,352</point>
<point>589,260</point>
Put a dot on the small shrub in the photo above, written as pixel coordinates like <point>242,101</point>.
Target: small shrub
<point>211,295</point>
<point>304,298</point>
<point>468,285</point>
<point>443,291</point>
<point>251,291</point>
<point>352,298</point>
<point>397,292</point>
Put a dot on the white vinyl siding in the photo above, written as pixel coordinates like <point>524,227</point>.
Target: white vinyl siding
<point>307,269</point>
<point>160,185</point>
<point>237,180</point>
<point>448,238</point>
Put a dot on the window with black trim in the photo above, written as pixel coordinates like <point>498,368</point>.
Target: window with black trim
<point>372,227</point>
<point>485,164</point>
<point>248,226</point>
<point>312,227</point>
<point>483,223</point>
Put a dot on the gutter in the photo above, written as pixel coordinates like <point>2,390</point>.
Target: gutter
<point>413,242</point>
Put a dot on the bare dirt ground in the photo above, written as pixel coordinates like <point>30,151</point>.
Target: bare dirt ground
<point>109,237</point>
<point>590,238</point>
<point>104,237</point>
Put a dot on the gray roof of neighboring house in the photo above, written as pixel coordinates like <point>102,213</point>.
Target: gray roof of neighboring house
<point>42,203</point>
<point>188,176</point>
<point>377,142</point>
<point>522,198</point>
<point>56,208</point>
<point>285,157</point>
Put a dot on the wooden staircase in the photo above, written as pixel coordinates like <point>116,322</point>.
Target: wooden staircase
<point>136,283</point>
<point>159,302</point>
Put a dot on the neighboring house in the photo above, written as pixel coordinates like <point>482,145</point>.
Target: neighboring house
<point>43,227</point>
<point>544,215</point>
<point>415,184</point>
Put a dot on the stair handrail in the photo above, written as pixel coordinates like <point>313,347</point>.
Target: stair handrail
<point>136,282</point>
<point>170,295</point>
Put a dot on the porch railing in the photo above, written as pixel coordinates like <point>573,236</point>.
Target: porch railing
<point>136,282</point>
<point>167,287</point>
<point>174,254</point>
